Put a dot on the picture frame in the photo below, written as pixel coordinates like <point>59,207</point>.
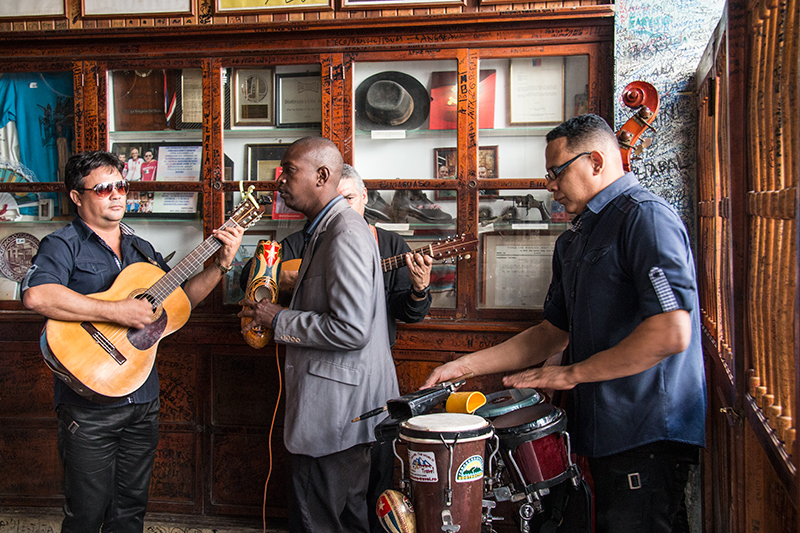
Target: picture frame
<point>254,97</point>
<point>33,9</point>
<point>150,8</point>
<point>245,6</point>
<point>508,257</point>
<point>263,163</point>
<point>45,209</point>
<point>536,91</point>
<point>448,158</point>
<point>299,100</point>
<point>381,4</point>
<point>190,99</point>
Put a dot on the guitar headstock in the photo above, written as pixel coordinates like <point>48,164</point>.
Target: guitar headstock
<point>248,212</point>
<point>454,247</point>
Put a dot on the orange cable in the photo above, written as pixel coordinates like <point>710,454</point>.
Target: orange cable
<point>269,440</point>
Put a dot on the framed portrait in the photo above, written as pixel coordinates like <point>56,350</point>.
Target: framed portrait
<point>33,8</point>
<point>253,97</point>
<point>115,8</point>
<point>241,6</point>
<point>445,166</point>
<point>380,4</point>
<point>299,100</point>
<point>536,91</point>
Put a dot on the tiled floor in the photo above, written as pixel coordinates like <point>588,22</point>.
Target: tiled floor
<point>48,520</point>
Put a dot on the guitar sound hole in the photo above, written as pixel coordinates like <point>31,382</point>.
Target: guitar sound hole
<point>149,298</point>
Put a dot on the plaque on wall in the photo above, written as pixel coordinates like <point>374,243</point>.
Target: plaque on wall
<point>253,97</point>
<point>299,100</point>
<point>33,8</point>
<point>140,103</point>
<point>115,8</point>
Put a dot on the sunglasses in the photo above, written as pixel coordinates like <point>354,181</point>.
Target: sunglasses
<point>553,173</point>
<point>103,190</point>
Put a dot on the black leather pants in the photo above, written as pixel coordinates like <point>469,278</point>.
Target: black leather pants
<point>107,455</point>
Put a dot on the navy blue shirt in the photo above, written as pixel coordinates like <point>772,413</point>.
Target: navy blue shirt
<point>77,258</point>
<point>627,257</point>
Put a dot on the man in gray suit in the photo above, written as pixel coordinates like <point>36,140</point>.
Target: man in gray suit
<point>338,360</point>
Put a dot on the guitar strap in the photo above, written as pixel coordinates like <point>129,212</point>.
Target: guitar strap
<point>145,254</point>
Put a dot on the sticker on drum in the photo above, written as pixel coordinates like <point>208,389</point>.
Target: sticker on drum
<point>506,401</point>
<point>470,470</point>
<point>422,466</point>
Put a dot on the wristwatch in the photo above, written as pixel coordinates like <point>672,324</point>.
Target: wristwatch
<point>421,294</point>
<point>221,268</point>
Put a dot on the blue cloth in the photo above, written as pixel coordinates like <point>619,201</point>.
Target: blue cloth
<point>77,258</point>
<point>626,258</point>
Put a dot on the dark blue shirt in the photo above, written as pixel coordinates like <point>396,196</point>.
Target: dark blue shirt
<point>77,258</point>
<point>627,257</point>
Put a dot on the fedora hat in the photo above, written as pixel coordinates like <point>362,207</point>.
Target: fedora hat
<point>391,100</point>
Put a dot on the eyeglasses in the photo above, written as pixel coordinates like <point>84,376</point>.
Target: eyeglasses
<point>103,190</point>
<point>553,173</point>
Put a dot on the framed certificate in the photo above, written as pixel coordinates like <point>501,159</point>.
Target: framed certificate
<point>253,97</point>
<point>115,8</point>
<point>380,4</point>
<point>238,6</point>
<point>536,91</point>
<point>299,100</point>
<point>33,8</point>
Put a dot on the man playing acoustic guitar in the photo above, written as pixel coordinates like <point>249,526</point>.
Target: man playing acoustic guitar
<point>107,449</point>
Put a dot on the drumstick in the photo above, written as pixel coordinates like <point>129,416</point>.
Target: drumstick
<point>370,414</point>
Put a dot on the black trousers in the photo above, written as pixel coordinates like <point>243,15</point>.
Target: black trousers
<point>107,455</point>
<point>381,478</point>
<point>643,489</point>
<point>328,493</point>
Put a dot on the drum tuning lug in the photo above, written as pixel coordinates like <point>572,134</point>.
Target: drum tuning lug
<point>447,523</point>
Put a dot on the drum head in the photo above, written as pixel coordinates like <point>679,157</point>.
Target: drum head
<point>527,419</point>
<point>448,426</point>
<point>505,401</point>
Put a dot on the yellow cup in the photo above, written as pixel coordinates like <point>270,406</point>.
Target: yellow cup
<point>464,402</point>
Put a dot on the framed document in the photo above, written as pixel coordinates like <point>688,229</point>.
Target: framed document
<point>190,103</point>
<point>299,100</point>
<point>536,91</point>
<point>506,259</point>
<point>33,8</point>
<point>237,6</point>
<point>253,97</point>
<point>380,4</point>
<point>115,8</point>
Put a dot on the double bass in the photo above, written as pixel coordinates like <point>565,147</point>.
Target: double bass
<point>644,96</point>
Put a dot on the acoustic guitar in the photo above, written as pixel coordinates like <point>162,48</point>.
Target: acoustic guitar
<point>104,361</point>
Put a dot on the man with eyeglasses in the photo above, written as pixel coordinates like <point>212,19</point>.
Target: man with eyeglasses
<point>107,449</point>
<point>623,306</point>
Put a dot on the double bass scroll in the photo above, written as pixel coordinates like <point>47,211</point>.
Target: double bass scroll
<point>644,96</point>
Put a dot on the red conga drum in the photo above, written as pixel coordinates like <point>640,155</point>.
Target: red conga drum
<point>445,456</point>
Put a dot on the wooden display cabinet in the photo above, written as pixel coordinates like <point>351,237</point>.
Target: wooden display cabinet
<point>218,394</point>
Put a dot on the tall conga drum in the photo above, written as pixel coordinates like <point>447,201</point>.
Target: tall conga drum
<point>445,456</point>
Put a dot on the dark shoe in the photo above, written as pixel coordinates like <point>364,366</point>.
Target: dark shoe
<point>377,208</point>
<point>417,205</point>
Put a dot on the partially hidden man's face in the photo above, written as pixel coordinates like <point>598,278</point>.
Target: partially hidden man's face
<point>356,199</point>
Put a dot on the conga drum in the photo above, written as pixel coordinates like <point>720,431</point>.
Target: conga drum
<point>535,446</point>
<point>445,456</point>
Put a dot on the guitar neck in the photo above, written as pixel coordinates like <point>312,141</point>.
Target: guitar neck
<point>398,261</point>
<point>188,265</point>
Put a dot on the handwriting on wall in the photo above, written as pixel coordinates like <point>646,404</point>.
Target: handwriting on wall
<point>661,43</point>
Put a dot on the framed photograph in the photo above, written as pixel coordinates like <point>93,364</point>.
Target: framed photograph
<point>380,4</point>
<point>445,166</point>
<point>507,258</point>
<point>45,209</point>
<point>536,91</point>
<point>299,100</point>
<point>115,8</point>
<point>253,97</point>
<point>261,160</point>
<point>238,6</point>
<point>33,8</point>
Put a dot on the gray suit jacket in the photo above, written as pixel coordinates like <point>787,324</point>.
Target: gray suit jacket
<point>338,360</point>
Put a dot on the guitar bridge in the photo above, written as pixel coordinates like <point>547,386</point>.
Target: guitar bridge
<point>103,342</point>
